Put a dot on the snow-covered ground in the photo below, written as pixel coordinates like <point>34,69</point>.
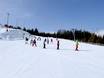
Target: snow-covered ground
<point>20,60</point>
<point>12,34</point>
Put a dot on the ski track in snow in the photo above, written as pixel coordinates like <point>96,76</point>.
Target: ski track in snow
<point>20,60</point>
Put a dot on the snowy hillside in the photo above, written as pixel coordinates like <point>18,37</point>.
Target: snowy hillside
<point>20,60</point>
<point>100,33</point>
<point>12,34</point>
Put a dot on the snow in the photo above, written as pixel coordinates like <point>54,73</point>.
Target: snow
<point>12,34</point>
<point>2,30</point>
<point>20,60</point>
<point>100,33</point>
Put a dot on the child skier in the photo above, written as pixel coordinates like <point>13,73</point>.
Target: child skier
<point>44,43</point>
<point>39,38</point>
<point>31,42</point>
<point>58,43</point>
<point>77,45</point>
<point>34,43</point>
<point>51,40</point>
<point>26,40</point>
<point>47,40</point>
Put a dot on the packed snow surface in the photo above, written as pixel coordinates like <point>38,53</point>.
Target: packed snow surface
<point>20,60</point>
<point>12,34</point>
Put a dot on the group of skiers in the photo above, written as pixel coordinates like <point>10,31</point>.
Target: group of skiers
<point>46,41</point>
<point>33,42</point>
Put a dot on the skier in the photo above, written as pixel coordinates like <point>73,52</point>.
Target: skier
<point>51,40</point>
<point>39,38</point>
<point>44,43</point>
<point>7,30</point>
<point>77,45</point>
<point>58,43</point>
<point>31,42</point>
<point>26,40</point>
<point>23,35</point>
<point>47,40</point>
<point>34,43</point>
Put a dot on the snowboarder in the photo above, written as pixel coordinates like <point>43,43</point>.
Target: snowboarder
<point>77,45</point>
<point>44,43</point>
<point>58,43</point>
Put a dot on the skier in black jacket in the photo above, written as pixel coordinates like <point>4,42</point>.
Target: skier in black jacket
<point>58,44</point>
<point>44,43</point>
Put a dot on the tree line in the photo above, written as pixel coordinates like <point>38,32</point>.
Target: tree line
<point>73,34</point>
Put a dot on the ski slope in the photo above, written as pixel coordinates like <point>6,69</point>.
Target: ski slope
<point>12,34</point>
<point>20,60</point>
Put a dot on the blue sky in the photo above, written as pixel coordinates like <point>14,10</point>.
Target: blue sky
<point>51,15</point>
